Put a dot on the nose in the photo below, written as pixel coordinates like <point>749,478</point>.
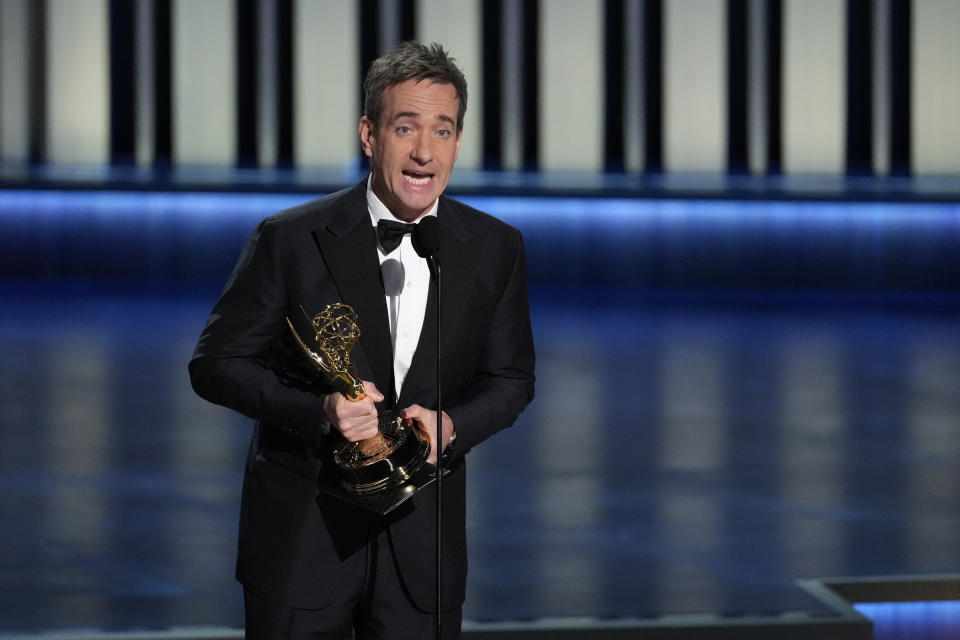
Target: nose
<point>422,151</point>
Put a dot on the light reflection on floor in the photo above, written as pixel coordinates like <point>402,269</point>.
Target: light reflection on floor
<point>913,620</point>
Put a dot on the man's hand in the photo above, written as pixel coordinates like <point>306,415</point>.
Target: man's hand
<point>428,424</point>
<point>356,420</point>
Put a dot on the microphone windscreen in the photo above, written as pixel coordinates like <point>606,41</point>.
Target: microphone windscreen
<point>426,237</point>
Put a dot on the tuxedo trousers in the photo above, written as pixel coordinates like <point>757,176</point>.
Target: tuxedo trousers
<point>374,606</point>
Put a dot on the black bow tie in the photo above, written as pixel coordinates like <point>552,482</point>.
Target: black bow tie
<point>390,233</point>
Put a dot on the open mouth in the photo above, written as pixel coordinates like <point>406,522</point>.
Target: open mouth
<point>417,179</point>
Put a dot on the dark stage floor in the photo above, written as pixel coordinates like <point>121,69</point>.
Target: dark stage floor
<point>682,457</point>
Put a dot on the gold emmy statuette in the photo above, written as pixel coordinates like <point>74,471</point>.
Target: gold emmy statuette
<point>390,458</point>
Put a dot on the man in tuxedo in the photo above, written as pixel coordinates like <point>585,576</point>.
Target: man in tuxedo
<point>312,565</point>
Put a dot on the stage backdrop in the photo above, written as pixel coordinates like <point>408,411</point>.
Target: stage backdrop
<point>765,86</point>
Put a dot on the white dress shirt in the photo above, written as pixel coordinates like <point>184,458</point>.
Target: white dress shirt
<point>406,282</point>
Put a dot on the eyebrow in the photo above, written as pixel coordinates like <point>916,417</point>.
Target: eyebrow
<point>416,115</point>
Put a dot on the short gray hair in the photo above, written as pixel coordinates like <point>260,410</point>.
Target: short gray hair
<point>412,61</point>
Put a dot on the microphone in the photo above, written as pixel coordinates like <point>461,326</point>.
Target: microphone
<point>426,242</point>
<point>426,237</point>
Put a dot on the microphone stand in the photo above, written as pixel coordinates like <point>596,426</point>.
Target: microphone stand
<point>426,242</point>
<point>439,559</point>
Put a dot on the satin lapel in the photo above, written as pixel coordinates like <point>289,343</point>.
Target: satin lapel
<point>349,248</point>
<point>458,267</point>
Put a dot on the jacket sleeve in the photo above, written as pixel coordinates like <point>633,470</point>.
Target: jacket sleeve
<point>503,381</point>
<point>239,361</point>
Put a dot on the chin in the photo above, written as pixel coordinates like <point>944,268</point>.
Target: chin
<point>419,206</point>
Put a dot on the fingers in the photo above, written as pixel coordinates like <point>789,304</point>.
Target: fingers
<point>428,426</point>
<point>416,412</point>
<point>356,428</point>
<point>355,420</point>
<point>427,420</point>
<point>372,392</point>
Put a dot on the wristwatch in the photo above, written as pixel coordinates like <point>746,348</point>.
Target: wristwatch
<point>448,452</point>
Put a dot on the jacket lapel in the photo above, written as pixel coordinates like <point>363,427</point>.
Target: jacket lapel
<point>349,248</point>
<point>458,264</point>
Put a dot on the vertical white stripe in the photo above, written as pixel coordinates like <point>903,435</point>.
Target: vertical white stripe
<point>14,81</point>
<point>695,86</point>
<point>814,86</point>
<point>456,24</point>
<point>757,107</point>
<point>571,85</point>
<point>634,106</point>
<point>267,84</point>
<point>326,84</point>
<point>935,101</point>
<point>882,86</point>
<point>146,119</point>
<point>204,114</point>
<point>511,116</point>
<point>78,85</point>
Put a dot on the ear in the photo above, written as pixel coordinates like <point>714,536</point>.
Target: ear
<point>367,135</point>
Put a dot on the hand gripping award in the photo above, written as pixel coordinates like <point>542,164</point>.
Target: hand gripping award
<point>381,472</point>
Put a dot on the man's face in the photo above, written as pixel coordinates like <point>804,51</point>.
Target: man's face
<point>413,146</point>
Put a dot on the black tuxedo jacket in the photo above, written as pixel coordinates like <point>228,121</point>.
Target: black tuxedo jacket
<point>295,542</point>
